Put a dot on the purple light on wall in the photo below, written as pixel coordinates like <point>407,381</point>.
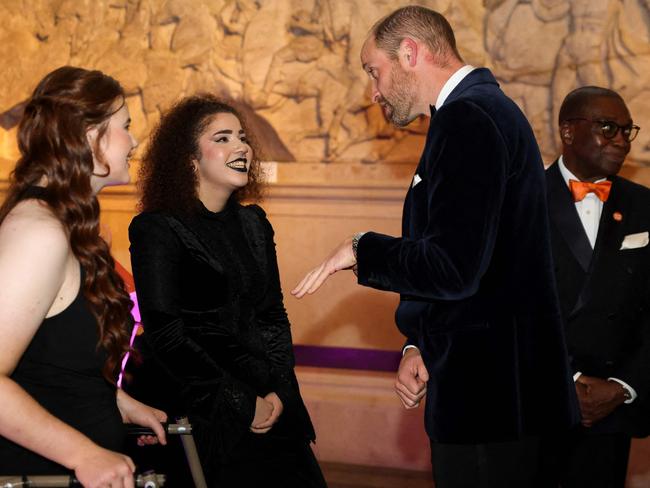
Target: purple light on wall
<point>135,312</point>
<point>347,357</point>
<point>316,356</point>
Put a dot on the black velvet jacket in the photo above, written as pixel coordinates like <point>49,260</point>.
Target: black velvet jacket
<point>605,293</point>
<point>474,271</point>
<point>215,327</point>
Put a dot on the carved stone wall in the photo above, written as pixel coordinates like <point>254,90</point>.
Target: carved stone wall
<point>294,64</point>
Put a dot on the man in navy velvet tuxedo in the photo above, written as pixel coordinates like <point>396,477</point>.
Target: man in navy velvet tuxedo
<point>473,266</point>
<point>599,233</point>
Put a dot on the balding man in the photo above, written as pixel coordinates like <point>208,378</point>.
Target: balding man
<point>473,266</point>
<point>599,228</point>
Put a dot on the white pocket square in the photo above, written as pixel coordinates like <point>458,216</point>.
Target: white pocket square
<point>635,241</point>
<point>416,180</point>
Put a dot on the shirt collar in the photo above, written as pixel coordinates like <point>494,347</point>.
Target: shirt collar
<point>568,175</point>
<point>452,83</point>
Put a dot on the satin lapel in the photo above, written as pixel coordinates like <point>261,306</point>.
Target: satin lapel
<point>609,229</point>
<point>564,216</point>
<point>608,238</point>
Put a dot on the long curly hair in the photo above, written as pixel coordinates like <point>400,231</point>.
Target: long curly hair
<point>55,152</point>
<point>167,180</point>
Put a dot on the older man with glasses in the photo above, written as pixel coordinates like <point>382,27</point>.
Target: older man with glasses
<point>599,232</point>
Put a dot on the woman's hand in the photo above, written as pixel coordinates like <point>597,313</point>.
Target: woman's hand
<point>135,412</point>
<point>263,412</point>
<point>99,468</point>
<point>276,410</point>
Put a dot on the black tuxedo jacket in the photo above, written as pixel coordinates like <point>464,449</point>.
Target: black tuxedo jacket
<point>474,271</point>
<point>605,293</point>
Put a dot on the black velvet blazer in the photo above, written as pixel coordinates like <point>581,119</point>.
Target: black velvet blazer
<point>215,327</point>
<point>605,293</point>
<point>474,271</point>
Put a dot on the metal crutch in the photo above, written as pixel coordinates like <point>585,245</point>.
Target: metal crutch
<point>191,453</point>
<point>183,428</point>
<point>148,479</point>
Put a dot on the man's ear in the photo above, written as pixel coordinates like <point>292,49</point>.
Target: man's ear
<point>408,52</point>
<point>566,133</point>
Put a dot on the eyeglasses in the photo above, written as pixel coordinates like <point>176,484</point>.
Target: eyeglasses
<point>609,128</point>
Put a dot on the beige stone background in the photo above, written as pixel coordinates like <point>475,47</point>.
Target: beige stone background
<point>294,63</point>
<point>335,166</point>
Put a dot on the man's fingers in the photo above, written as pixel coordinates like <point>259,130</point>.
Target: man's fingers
<point>423,374</point>
<point>312,282</point>
<point>298,291</point>
<point>411,386</point>
<point>319,280</point>
<point>411,382</point>
<point>412,393</point>
<point>306,284</point>
<point>408,399</point>
<point>403,391</point>
<point>304,280</point>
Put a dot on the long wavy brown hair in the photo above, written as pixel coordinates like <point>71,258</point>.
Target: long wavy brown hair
<point>55,153</point>
<point>167,180</point>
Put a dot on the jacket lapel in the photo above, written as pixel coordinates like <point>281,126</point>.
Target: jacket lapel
<point>564,216</point>
<point>609,229</point>
<point>606,241</point>
<point>193,243</point>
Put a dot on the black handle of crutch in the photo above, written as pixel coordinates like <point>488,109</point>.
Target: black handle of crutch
<point>177,429</point>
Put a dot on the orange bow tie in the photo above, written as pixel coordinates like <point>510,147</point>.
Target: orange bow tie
<point>579,189</point>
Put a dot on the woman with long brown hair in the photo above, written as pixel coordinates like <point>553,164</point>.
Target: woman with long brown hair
<point>217,336</point>
<point>64,311</point>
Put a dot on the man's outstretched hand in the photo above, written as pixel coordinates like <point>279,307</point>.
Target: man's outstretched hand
<point>341,258</point>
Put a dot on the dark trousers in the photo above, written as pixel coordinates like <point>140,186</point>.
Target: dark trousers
<point>526,463</point>
<point>593,460</point>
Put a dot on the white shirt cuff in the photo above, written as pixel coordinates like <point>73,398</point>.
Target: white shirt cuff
<point>576,376</point>
<point>627,387</point>
<point>410,346</point>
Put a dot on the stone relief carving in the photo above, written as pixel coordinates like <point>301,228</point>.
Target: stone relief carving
<point>293,65</point>
<point>542,49</point>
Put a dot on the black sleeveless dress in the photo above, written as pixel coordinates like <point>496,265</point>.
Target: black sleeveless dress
<point>62,370</point>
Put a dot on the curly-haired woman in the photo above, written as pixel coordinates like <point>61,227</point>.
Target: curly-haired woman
<point>217,336</point>
<point>63,309</point>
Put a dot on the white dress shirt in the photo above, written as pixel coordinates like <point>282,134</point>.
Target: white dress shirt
<point>589,210</point>
<point>452,83</point>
